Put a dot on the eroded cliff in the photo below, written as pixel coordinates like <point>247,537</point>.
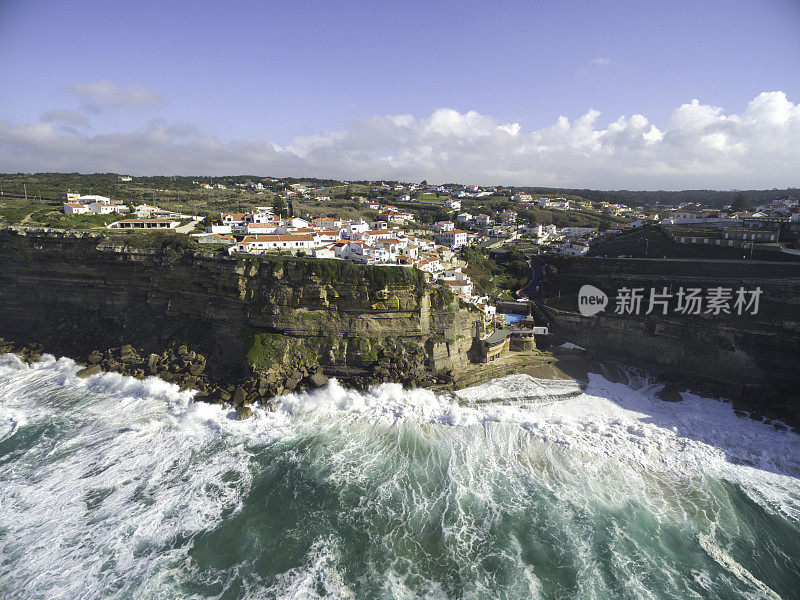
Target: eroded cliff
<point>283,318</point>
<point>753,359</point>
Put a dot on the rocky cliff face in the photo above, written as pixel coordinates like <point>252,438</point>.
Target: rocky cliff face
<point>751,359</point>
<point>283,318</point>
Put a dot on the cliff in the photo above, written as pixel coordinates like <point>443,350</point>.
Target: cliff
<point>751,359</point>
<point>278,317</point>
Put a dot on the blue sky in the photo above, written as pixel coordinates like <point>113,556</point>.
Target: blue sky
<point>307,77</point>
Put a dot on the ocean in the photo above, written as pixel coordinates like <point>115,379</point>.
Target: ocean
<point>111,487</point>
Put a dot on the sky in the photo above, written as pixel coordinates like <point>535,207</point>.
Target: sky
<point>612,95</point>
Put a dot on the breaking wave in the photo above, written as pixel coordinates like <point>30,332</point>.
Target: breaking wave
<point>112,487</point>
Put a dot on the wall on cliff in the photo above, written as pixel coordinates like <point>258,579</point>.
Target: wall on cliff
<point>74,292</point>
<point>744,357</point>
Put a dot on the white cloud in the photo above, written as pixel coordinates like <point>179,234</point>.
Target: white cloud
<point>100,94</point>
<point>68,117</point>
<point>702,147</point>
<point>600,62</point>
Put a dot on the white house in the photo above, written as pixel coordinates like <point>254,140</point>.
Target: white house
<point>354,229</point>
<point>522,198</point>
<point>233,219</point>
<point>326,251</point>
<point>218,229</point>
<point>455,238</point>
<point>371,235</point>
<point>508,216</point>
<point>73,208</point>
<point>295,222</point>
<point>460,287</point>
<point>464,218</point>
<point>483,220</point>
<point>262,228</point>
<point>453,204</point>
<point>256,244</point>
<point>442,226</point>
<point>145,210</point>
<point>429,265</point>
<point>395,216</point>
<point>327,223</point>
<point>104,208</point>
<point>574,248</point>
<point>89,198</point>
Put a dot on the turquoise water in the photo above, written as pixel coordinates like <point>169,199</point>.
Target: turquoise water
<point>117,488</point>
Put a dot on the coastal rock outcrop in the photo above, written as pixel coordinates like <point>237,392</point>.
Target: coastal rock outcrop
<point>218,324</point>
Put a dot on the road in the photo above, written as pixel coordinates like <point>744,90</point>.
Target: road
<point>186,228</point>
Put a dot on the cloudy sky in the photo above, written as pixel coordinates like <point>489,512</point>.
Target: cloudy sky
<point>637,95</point>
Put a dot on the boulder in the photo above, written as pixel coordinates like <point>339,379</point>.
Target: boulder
<point>89,371</point>
<point>318,379</point>
<point>239,396</point>
<point>243,412</point>
<point>127,354</point>
<point>292,382</point>
<point>95,357</point>
<point>196,368</point>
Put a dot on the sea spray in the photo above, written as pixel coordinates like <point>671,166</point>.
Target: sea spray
<point>113,487</point>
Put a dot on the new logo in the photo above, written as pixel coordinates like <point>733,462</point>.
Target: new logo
<point>591,300</point>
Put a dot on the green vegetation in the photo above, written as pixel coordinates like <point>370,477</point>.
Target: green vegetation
<point>363,349</point>
<point>441,296</point>
<point>263,349</point>
<point>497,275</point>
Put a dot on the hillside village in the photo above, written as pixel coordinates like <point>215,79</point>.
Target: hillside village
<point>418,226</point>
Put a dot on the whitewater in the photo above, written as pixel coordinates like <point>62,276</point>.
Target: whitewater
<point>112,487</point>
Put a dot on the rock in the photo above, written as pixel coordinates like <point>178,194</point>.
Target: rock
<point>189,383</point>
<point>183,351</point>
<point>318,379</point>
<point>89,371</point>
<point>292,382</point>
<point>127,354</point>
<point>224,395</point>
<point>239,396</point>
<point>196,368</point>
<point>202,398</point>
<point>670,394</point>
<point>243,412</point>
<point>95,357</point>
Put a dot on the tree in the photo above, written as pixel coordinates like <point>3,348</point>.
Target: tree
<point>279,206</point>
<point>739,203</point>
